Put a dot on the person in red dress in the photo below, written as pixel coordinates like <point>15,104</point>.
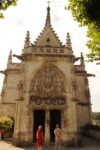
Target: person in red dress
<point>2,132</point>
<point>39,138</point>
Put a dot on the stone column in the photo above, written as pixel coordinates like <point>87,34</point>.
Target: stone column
<point>29,126</point>
<point>47,127</point>
<point>17,116</point>
<point>16,135</point>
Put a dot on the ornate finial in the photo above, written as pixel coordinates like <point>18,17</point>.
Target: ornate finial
<point>48,15</point>
<point>48,8</point>
<point>82,60</point>
<point>68,41</point>
<point>10,54</point>
<point>48,3</point>
<point>27,41</point>
<point>10,57</point>
<point>81,55</point>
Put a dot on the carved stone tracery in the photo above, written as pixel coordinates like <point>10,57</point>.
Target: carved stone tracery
<point>48,81</point>
<point>48,101</point>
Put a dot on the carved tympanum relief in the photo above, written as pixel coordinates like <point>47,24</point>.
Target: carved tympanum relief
<point>48,81</point>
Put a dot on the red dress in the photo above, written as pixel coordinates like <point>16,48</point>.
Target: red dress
<point>39,137</point>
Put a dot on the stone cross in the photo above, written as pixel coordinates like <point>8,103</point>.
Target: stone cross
<point>48,2</point>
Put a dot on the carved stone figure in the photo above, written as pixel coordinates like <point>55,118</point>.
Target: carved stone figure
<point>48,81</point>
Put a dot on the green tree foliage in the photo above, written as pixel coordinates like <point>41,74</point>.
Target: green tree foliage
<point>87,13</point>
<point>6,123</point>
<point>4,4</point>
<point>96,115</point>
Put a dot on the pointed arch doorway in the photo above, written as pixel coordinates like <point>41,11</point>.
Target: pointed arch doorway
<point>55,118</point>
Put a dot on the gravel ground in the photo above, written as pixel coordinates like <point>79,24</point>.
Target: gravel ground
<point>88,144</point>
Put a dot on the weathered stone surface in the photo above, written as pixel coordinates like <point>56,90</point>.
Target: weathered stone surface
<point>46,88</point>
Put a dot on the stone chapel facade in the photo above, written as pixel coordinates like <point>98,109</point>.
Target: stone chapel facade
<point>46,88</point>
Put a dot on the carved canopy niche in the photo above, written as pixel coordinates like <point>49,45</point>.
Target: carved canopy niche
<point>48,82</point>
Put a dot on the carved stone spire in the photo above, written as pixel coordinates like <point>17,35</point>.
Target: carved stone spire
<point>68,41</point>
<point>27,40</point>
<point>48,21</point>
<point>10,57</point>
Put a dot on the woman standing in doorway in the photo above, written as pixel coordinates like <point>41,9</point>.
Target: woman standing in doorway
<point>39,138</point>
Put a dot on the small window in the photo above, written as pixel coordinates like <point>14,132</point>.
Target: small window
<point>48,40</point>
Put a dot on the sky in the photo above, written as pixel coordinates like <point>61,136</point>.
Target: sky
<point>30,15</point>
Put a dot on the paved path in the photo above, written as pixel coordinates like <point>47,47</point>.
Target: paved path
<point>88,144</point>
